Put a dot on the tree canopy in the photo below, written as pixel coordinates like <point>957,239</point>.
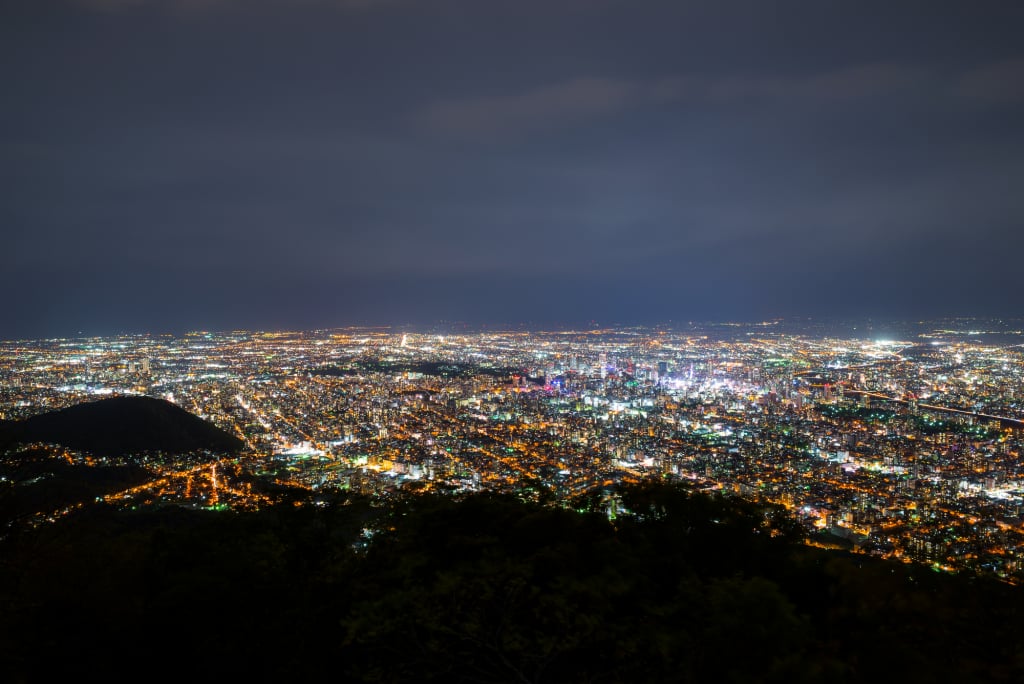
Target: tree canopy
<point>679,586</point>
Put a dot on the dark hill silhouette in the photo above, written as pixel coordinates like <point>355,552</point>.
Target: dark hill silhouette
<point>121,426</point>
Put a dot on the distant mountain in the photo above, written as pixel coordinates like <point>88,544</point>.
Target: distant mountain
<point>120,426</point>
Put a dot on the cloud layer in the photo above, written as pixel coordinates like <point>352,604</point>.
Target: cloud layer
<point>291,163</point>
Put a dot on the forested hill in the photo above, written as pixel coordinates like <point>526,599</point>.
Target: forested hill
<point>122,425</point>
<point>683,588</point>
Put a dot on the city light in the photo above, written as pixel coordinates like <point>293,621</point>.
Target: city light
<point>900,453</point>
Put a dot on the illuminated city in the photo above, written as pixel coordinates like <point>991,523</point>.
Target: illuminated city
<point>902,448</point>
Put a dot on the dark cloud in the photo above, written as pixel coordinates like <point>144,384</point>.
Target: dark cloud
<point>997,82</point>
<point>215,163</point>
<point>210,5</point>
<point>557,104</point>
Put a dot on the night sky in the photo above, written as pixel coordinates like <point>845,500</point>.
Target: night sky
<point>209,164</point>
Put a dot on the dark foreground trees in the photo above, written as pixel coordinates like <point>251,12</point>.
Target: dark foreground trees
<point>487,589</point>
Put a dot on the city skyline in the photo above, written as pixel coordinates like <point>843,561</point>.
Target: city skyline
<point>191,164</point>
